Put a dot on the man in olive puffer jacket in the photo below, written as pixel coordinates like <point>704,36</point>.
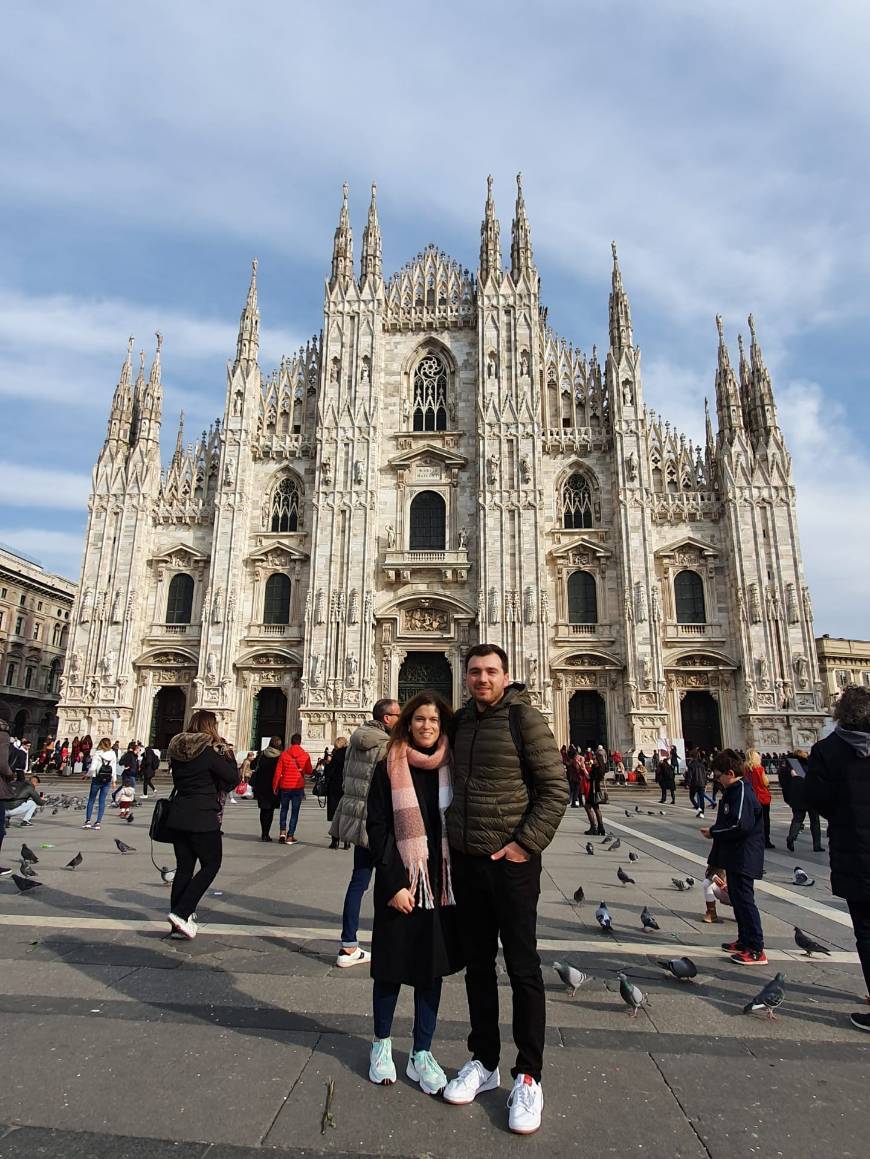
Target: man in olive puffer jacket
<point>505,812</point>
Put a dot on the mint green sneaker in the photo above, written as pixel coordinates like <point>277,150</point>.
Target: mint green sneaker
<point>382,1070</point>
<point>423,1069</point>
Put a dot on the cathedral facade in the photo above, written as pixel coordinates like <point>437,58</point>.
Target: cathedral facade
<point>437,468</point>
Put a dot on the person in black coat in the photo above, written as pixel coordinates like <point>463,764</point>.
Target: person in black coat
<point>415,939</point>
<point>667,779</point>
<point>738,848</point>
<point>792,781</point>
<point>204,770</point>
<point>262,773</point>
<point>149,765</point>
<point>838,785</point>
<point>335,783</point>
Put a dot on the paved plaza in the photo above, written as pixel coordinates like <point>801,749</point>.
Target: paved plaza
<point>119,1042</point>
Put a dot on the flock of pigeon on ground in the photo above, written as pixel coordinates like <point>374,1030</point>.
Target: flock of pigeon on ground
<point>683,969</point>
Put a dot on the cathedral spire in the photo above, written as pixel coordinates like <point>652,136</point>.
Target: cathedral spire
<point>342,246</point>
<point>522,262</point>
<point>371,242</point>
<point>620,311</point>
<point>248,344</point>
<point>763,405</point>
<point>728,408</point>
<point>179,441</point>
<point>708,426</point>
<point>490,240</point>
<point>121,412</point>
<point>745,385</point>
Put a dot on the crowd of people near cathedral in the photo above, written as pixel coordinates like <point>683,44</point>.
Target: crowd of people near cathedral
<point>450,812</point>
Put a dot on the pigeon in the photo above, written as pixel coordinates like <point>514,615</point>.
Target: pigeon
<point>637,808</point>
<point>628,812</point>
<point>647,920</point>
<point>130,819</point>
<point>683,969</point>
<point>680,884</point>
<point>801,877</point>
<point>805,942</point>
<point>662,813</point>
<point>27,854</point>
<point>602,916</point>
<point>54,810</point>
<point>167,875</point>
<point>631,995</point>
<point>579,895</point>
<point>76,861</point>
<point>590,848</point>
<point>606,840</point>
<point>26,870</point>
<point>624,878</point>
<point>572,978</point>
<point>650,813</point>
<point>632,856</point>
<point>122,848</point>
<point>24,884</point>
<point>769,998</point>
<point>690,881</point>
<point>617,844</point>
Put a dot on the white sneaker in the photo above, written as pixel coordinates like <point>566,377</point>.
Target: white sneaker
<point>526,1103</point>
<point>470,1082</point>
<point>186,926</point>
<point>355,959</point>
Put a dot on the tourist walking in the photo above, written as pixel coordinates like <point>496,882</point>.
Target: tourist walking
<point>738,848</point>
<point>103,773</point>
<point>510,793</point>
<point>293,766</point>
<point>262,776</point>
<point>757,777</point>
<point>148,768</point>
<point>367,746</point>
<point>792,780</point>
<point>334,774</point>
<point>593,795</point>
<point>575,777</point>
<point>696,780</point>
<point>838,786</point>
<point>204,770</point>
<point>667,778</point>
<point>415,941</point>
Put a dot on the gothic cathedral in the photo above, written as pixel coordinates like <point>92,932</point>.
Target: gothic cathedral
<point>438,468</point>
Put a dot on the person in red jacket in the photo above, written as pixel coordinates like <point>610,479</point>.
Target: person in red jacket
<point>288,783</point>
<point>754,773</point>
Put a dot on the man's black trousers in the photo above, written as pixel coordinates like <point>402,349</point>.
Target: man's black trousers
<point>499,899</point>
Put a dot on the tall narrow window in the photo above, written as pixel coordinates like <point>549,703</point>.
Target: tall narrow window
<point>286,501</point>
<point>689,598</point>
<point>577,508</point>
<point>179,604</point>
<point>582,598</point>
<point>430,394</point>
<point>428,522</point>
<point>276,602</point>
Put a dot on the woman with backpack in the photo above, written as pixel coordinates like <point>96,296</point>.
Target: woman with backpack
<point>103,773</point>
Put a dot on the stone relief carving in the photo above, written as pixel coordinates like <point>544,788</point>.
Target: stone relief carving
<point>390,533</point>
<point>774,609</point>
<point>533,672</point>
<point>655,604</point>
<point>116,608</point>
<point>640,602</point>
<point>353,609</point>
<point>802,671</point>
<point>493,606</point>
<point>754,604</point>
<point>525,470</point>
<point>763,673</point>
<point>808,604</point>
<point>492,470</point>
<point>791,604</point>
<point>545,608</point>
<point>529,605</point>
<point>318,607</point>
<point>426,620</point>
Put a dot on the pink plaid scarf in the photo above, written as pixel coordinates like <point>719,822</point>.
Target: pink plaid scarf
<point>411,837</point>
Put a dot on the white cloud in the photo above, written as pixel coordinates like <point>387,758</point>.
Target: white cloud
<point>57,551</point>
<point>26,486</point>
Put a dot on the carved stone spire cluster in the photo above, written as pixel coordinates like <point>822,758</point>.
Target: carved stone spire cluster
<point>522,262</point>
<point>620,311</point>
<point>121,413</point>
<point>371,243</point>
<point>763,408</point>
<point>248,345</point>
<point>490,239</point>
<point>149,398</point>
<point>342,246</point>
<point>729,410</point>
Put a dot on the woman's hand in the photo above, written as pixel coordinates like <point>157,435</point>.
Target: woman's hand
<point>403,901</point>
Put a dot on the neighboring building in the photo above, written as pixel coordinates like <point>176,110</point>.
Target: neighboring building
<point>440,467</point>
<point>35,609</point>
<point>842,662</point>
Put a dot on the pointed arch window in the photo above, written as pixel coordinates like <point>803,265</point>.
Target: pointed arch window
<point>276,600</point>
<point>286,506</point>
<point>179,603</point>
<point>430,393</point>
<point>428,522</point>
<point>577,505</point>
<point>689,598</point>
<point>582,598</point>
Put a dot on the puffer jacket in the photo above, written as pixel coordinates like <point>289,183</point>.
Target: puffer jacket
<point>491,804</point>
<point>838,786</point>
<point>366,747</point>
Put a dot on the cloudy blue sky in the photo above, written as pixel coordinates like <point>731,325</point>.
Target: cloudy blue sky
<point>151,150</point>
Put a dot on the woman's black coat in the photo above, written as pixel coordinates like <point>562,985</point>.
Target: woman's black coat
<point>262,775</point>
<point>199,782</point>
<point>838,787</point>
<point>666,776</point>
<point>418,947</point>
<point>334,781</point>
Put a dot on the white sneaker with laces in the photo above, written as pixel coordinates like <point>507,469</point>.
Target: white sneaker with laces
<point>186,926</point>
<point>470,1082</point>
<point>526,1103</point>
<point>354,959</point>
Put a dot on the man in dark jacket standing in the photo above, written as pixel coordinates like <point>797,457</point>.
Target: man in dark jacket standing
<point>509,796</point>
<point>738,848</point>
<point>838,785</point>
